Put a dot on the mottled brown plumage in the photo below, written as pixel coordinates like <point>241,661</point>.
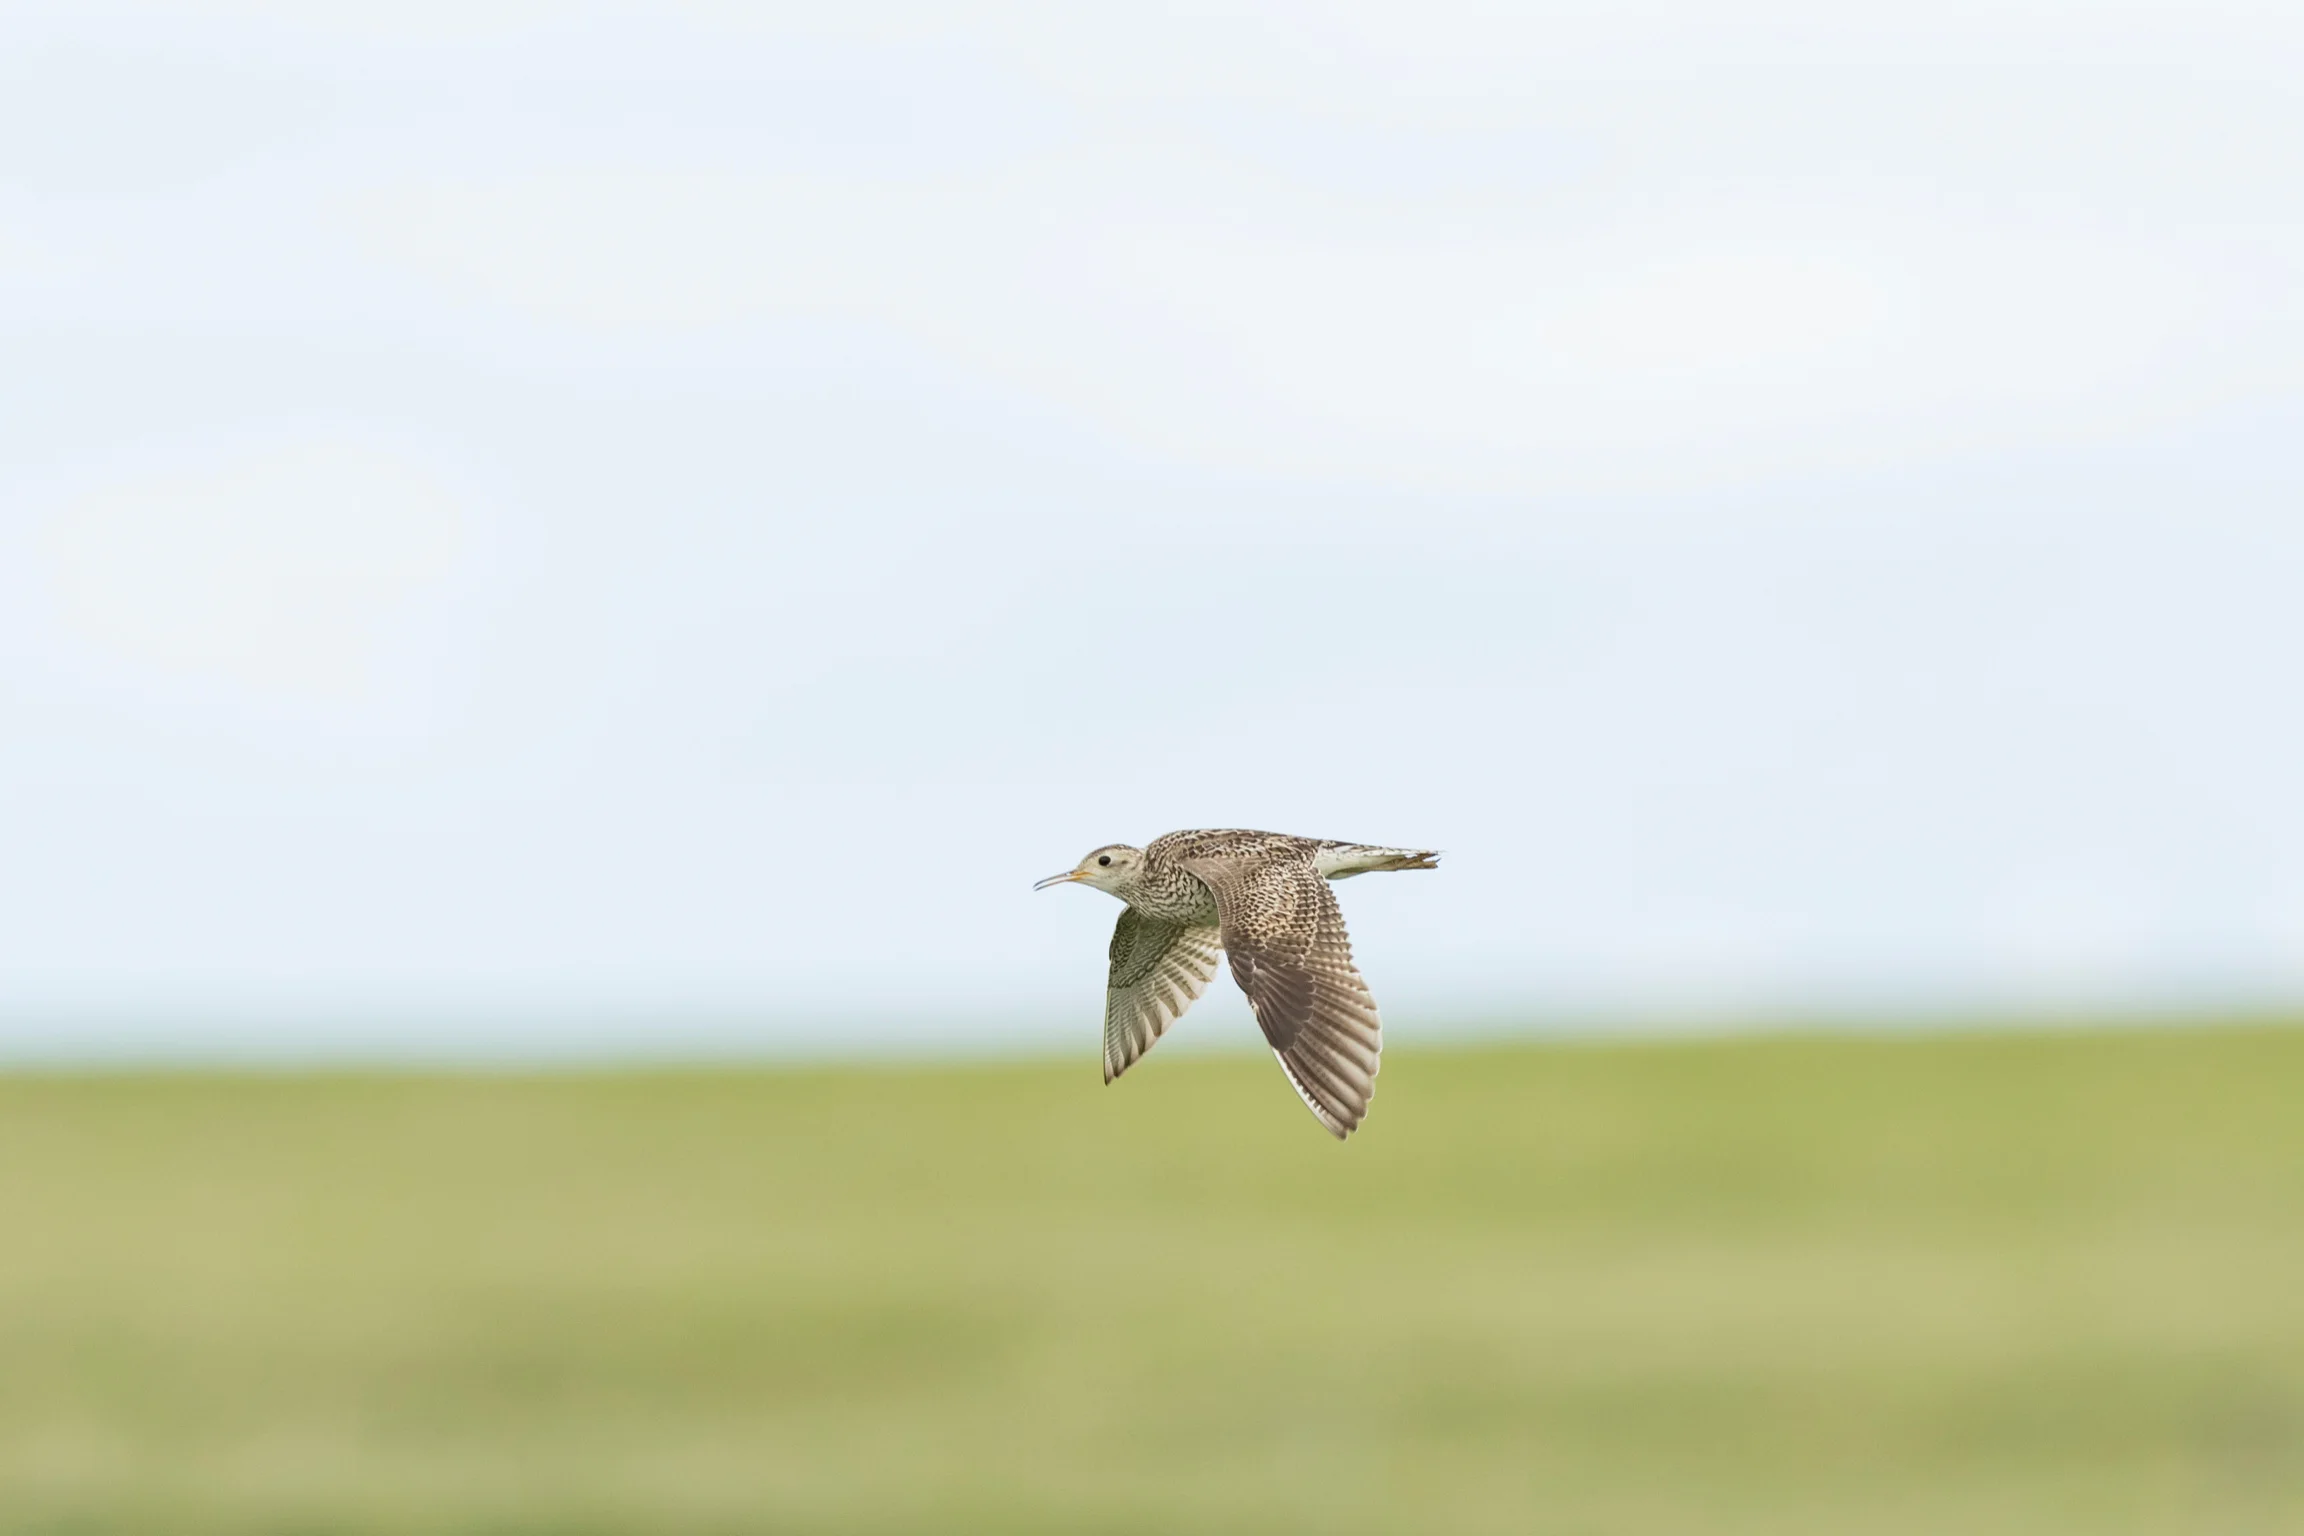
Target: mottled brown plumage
<point>1263,899</point>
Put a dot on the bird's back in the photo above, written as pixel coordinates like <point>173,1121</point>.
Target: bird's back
<point>1334,859</point>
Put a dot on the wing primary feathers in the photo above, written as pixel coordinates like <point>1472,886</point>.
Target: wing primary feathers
<point>1284,933</point>
<point>1158,971</point>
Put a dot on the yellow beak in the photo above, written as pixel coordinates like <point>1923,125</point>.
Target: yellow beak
<point>1064,878</point>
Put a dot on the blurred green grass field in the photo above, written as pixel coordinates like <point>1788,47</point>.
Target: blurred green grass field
<point>1986,1283</point>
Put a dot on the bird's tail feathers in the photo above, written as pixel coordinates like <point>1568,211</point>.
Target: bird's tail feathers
<point>1341,861</point>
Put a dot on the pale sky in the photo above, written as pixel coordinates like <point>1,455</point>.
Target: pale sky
<point>530,528</point>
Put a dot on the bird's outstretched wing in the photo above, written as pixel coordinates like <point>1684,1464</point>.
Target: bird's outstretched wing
<point>1281,926</point>
<point>1158,970</point>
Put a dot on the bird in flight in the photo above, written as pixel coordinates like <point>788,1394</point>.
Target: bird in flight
<point>1263,899</point>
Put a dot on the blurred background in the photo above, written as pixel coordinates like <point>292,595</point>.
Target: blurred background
<point>593,536</point>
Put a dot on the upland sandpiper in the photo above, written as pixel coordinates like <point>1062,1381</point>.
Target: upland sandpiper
<point>1263,899</point>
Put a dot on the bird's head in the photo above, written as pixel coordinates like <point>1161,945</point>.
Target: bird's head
<point>1111,868</point>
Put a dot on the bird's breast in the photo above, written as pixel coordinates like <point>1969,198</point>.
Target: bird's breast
<point>1180,899</point>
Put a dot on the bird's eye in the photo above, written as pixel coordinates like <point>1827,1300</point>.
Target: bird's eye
<point>1104,858</point>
